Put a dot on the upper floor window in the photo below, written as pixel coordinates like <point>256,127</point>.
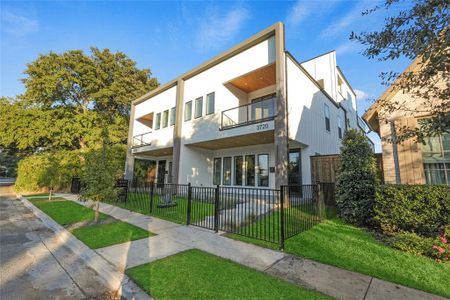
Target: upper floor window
<point>436,159</point>
<point>165,119</point>
<point>210,103</point>
<point>339,127</point>
<point>158,121</point>
<point>198,107</point>
<point>188,111</point>
<point>327,118</point>
<point>172,116</point>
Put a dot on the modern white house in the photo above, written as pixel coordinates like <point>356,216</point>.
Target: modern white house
<point>249,117</point>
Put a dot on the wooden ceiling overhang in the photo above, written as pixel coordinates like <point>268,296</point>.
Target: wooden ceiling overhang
<point>265,137</point>
<point>155,152</point>
<point>146,119</point>
<point>256,79</point>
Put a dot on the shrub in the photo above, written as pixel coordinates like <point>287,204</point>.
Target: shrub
<point>422,209</point>
<point>441,246</point>
<point>357,179</point>
<point>34,172</point>
<point>412,243</point>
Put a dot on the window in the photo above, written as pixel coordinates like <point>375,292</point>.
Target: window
<point>250,170</point>
<point>172,116</point>
<point>165,119</point>
<point>327,118</point>
<point>226,171</point>
<point>217,170</point>
<point>158,121</point>
<point>294,167</point>
<point>198,107</point>
<point>210,103</point>
<point>238,170</point>
<point>436,159</point>
<point>188,111</point>
<point>263,169</point>
<point>339,127</point>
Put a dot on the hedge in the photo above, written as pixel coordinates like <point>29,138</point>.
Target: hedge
<point>422,209</point>
<point>31,171</point>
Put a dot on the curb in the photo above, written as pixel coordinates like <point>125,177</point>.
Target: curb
<point>111,277</point>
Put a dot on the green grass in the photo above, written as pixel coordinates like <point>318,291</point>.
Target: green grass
<point>140,202</point>
<point>67,212</point>
<point>194,274</point>
<point>35,199</point>
<point>335,243</point>
<point>34,195</point>
<point>102,235</point>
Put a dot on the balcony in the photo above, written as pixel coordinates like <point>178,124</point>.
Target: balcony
<point>252,113</point>
<point>142,140</point>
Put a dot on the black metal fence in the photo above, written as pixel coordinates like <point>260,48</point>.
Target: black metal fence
<point>271,215</point>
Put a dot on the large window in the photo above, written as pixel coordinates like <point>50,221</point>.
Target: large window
<point>165,119</point>
<point>263,170</point>
<point>238,170</point>
<point>327,117</point>
<point>294,168</point>
<point>158,121</point>
<point>188,111</point>
<point>217,170</point>
<point>436,159</point>
<point>250,170</point>
<point>210,103</point>
<point>172,116</point>
<point>198,107</point>
<point>226,171</point>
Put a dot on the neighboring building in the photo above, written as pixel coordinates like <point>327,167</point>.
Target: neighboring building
<point>251,116</point>
<point>408,162</point>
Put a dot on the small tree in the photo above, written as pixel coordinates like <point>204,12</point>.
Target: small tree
<point>357,179</point>
<point>100,175</point>
<point>50,176</point>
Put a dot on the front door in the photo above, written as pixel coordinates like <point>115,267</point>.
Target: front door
<point>295,170</point>
<point>161,171</point>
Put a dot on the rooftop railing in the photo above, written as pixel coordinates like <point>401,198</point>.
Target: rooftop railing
<point>251,113</point>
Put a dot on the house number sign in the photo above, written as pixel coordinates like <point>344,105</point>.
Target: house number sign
<point>262,126</point>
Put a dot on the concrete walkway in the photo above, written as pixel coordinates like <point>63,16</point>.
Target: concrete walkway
<point>34,266</point>
<point>173,238</point>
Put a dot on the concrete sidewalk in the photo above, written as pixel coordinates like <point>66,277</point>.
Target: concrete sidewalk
<point>173,238</point>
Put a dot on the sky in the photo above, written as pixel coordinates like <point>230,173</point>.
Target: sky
<point>171,37</point>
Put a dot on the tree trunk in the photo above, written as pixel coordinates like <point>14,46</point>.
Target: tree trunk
<point>97,207</point>
<point>50,194</point>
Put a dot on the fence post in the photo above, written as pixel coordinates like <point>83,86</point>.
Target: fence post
<point>282,225</point>
<point>320,201</point>
<point>216,210</point>
<point>189,204</point>
<point>151,196</point>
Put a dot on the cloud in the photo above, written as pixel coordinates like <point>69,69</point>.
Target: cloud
<point>361,95</point>
<point>303,9</point>
<point>16,25</point>
<point>348,47</point>
<point>215,30</point>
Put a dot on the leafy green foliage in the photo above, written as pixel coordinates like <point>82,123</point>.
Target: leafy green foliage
<point>422,209</point>
<point>411,243</point>
<point>357,179</point>
<point>418,31</point>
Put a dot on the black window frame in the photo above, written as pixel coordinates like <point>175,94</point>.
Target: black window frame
<point>215,170</point>
<point>229,159</point>
<point>327,118</point>
<point>239,168</point>
<point>247,170</point>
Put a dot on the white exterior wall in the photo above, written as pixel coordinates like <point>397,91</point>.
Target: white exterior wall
<point>197,165</point>
<point>324,67</point>
<point>306,106</point>
<point>162,137</point>
<point>212,80</point>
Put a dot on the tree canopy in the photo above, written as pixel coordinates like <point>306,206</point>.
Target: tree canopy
<point>66,97</point>
<point>418,31</point>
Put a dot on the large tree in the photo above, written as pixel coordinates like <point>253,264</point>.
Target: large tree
<point>66,97</point>
<point>418,30</point>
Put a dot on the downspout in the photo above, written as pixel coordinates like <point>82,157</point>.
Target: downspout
<point>395,152</point>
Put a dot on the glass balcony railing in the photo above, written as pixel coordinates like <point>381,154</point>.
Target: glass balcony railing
<point>142,139</point>
<point>252,113</point>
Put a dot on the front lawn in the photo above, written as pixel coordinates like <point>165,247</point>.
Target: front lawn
<point>67,212</point>
<point>335,243</point>
<point>102,235</point>
<point>194,274</point>
<point>34,199</point>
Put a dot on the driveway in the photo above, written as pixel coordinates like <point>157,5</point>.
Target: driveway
<point>32,267</point>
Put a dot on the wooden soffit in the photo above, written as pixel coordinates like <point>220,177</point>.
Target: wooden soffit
<point>256,79</point>
<point>266,137</point>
